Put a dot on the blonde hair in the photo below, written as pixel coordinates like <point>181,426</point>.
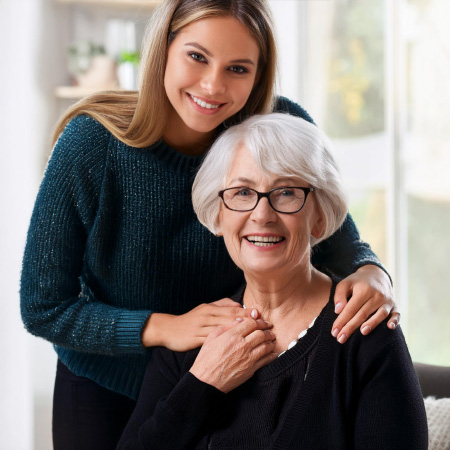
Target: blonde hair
<point>138,118</point>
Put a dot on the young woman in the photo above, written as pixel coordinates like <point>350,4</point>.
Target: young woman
<point>116,261</point>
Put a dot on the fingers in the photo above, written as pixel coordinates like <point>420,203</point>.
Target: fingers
<point>213,332</point>
<point>226,302</point>
<point>247,326</point>
<point>366,325</point>
<point>217,313</point>
<point>354,317</point>
<point>374,320</point>
<point>266,359</point>
<point>342,293</point>
<point>258,337</point>
<point>351,311</point>
<point>394,319</point>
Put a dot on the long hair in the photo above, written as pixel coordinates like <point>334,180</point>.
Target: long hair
<point>138,118</point>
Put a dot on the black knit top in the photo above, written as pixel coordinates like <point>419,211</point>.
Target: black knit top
<point>319,395</point>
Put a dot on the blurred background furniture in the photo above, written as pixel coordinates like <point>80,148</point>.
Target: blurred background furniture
<point>435,384</point>
<point>434,380</point>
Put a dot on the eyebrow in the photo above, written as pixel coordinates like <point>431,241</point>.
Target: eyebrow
<point>247,181</point>
<point>208,53</point>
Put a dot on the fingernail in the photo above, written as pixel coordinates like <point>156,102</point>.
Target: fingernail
<point>393,325</point>
<point>254,313</point>
<point>342,338</point>
<point>366,329</point>
<point>337,308</point>
<point>335,332</point>
<point>239,319</point>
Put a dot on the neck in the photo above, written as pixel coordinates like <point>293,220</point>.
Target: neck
<point>185,140</point>
<point>290,302</point>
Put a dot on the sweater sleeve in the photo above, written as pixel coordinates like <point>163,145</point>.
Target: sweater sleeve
<point>390,412</point>
<point>343,252</point>
<point>172,408</point>
<point>54,303</point>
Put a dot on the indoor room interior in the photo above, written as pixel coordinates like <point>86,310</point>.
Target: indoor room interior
<point>372,73</point>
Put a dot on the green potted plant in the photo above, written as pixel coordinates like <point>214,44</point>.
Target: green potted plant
<point>128,63</point>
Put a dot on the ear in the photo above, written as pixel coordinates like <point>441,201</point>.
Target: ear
<point>219,223</point>
<point>318,225</point>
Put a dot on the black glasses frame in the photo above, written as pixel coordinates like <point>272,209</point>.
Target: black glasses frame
<point>267,195</point>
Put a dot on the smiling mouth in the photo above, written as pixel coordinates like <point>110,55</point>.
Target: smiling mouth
<point>203,104</point>
<point>264,241</point>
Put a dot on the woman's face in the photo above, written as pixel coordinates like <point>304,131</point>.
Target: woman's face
<point>211,69</point>
<point>289,234</point>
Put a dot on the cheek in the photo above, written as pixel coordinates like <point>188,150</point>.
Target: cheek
<point>243,93</point>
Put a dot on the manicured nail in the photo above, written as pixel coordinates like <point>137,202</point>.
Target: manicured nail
<point>337,308</point>
<point>393,325</point>
<point>254,313</point>
<point>366,330</point>
<point>335,332</point>
<point>342,338</point>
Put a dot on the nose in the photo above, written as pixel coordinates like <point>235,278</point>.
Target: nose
<point>263,213</point>
<point>213,82</point>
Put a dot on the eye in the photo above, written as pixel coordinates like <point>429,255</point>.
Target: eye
<point>242,192</point>
<point>287,192</point>
<point>197,57</point>
<point>238,69</point>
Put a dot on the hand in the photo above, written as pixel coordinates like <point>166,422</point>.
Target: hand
<point>370,292</point>
<point>232,353</point>
<point>188,331</point>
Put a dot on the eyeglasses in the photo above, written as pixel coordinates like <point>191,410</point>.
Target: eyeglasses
<point>285,200</point>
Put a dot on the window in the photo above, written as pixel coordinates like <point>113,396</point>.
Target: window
<point>374,75</point>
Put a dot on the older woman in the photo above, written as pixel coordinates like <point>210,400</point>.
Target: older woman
<point>271,188</point>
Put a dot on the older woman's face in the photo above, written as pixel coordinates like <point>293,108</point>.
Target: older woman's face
<point>288,234</point>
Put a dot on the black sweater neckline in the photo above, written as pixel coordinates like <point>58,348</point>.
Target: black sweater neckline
<point>303,347</point>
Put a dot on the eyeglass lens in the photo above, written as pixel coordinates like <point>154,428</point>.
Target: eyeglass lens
<point>282,199</point>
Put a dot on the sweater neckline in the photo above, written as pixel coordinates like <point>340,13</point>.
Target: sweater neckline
<point>303,347</point>
<point>168,156</point>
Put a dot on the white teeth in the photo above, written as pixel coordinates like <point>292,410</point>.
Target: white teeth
<point>204,104</point>
<point>263,244</point>
<point>264,241</point>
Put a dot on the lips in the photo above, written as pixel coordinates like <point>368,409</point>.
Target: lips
<point>264,241</point>
<point>204,104</point>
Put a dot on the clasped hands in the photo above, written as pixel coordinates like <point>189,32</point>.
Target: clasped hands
<point>232,353</point>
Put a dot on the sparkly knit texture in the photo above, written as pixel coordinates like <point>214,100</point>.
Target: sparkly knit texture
<point>113,237</point>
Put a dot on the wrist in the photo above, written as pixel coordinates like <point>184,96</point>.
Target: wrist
<point>377,272</point>
<point>154,332</point>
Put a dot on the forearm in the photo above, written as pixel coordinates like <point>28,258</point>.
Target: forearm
<point>84,324</point>
<point>56,302</point>
<point>343,253</point>
<point>170,413</point>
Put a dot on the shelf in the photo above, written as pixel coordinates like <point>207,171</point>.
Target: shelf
<point>148,4</point>
<point>77,92</point>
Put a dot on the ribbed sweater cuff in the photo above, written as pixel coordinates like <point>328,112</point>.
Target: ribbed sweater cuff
<point>129,329</point>
<point>373,262</point>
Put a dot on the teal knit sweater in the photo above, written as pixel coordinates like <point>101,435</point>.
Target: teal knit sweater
<point>113,237</point>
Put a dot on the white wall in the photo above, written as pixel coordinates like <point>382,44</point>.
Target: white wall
<point>29,39</point>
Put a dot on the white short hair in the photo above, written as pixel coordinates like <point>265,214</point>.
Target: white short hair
<point>280,144</point>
